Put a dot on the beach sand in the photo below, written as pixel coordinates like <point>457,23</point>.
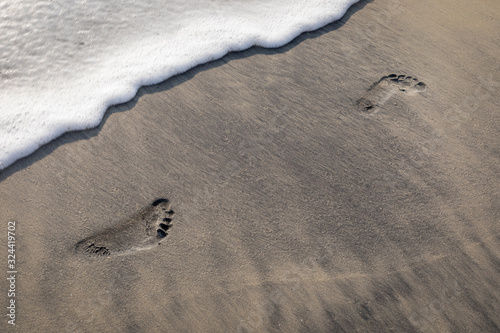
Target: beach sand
<point>312,191</point>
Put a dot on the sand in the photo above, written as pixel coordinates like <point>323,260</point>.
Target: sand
<point>308,193</point>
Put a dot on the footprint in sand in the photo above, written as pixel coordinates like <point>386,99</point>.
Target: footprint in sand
<point>144,230</point>
<point>382,91</point>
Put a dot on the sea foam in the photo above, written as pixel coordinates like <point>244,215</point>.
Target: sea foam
<point>63,63</point>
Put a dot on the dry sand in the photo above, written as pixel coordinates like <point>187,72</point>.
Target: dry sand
<point>295,210</point>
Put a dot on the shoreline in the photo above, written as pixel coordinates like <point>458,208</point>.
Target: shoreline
<point>129,85</point>
<point>295,208</point>
<point>41,151</point>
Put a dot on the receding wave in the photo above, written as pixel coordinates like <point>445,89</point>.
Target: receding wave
<point>63,63</point>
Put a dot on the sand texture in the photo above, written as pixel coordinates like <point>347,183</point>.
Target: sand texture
<point>347,182</point>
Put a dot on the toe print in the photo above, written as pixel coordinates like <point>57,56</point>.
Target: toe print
<point>144,230</point>
<point>385,88</point>
<point>161,232</point>
<point>407,83</point>
<point>420,86</point>
<point>164,220</point>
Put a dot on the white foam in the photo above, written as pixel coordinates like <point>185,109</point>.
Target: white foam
<point>63,63</point>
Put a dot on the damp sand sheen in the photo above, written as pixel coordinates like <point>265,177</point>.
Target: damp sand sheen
<point>62,64</point>
<point>346,182</point>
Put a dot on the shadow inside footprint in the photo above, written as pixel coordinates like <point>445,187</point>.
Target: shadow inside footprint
<point>144,230</point>
<point>382,90</point>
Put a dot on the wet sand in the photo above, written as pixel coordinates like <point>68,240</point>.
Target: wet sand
<point>310,190</point>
